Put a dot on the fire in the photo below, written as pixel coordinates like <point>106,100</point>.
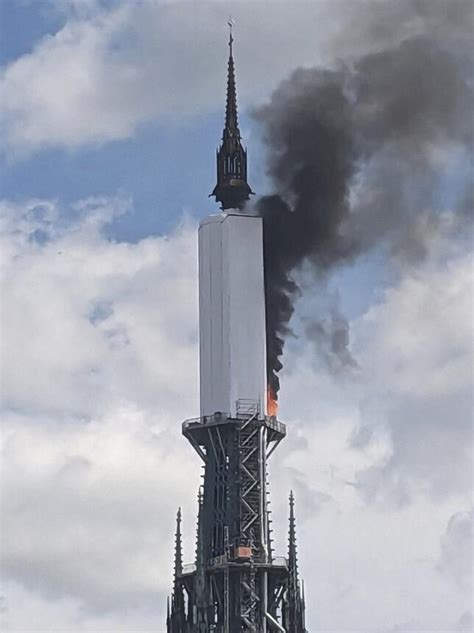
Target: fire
<point>272,402</point>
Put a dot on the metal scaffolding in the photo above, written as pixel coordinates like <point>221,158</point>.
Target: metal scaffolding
<point>235,584</point>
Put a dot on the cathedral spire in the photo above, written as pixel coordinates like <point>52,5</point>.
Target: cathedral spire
<point>178,555</point>
<point>232,189</point>
<point>176,617</point>
<point>292,555</point>
<point>199,539</point>
<point>294,606</point>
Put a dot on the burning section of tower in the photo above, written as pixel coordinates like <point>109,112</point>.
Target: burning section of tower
<point>236,583</point>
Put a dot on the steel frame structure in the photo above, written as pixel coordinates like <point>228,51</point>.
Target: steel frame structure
<point>235,584</point>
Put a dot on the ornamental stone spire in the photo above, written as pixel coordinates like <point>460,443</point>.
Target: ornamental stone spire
<point>232,189</point>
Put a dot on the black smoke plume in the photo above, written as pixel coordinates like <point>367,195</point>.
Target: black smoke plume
<point>356,154</point>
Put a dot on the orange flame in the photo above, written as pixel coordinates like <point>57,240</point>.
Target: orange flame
<point>272,402</point>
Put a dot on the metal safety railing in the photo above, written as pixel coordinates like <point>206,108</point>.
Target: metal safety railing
<point>206,419</point>
<point>245,407</point>
<point>274,424</point>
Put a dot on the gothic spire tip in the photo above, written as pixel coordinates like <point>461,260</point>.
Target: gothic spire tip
<point>232,189</point>
<point>230,24</point>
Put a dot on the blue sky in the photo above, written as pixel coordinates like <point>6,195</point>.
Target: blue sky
<point>166,169</point>
<point>23,24</point>
<point>162,169</point>
<point>111,118</point>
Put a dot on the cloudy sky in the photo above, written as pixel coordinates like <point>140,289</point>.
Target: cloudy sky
<point>112,111</point>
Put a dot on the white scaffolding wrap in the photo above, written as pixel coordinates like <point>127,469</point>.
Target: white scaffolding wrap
<point>231,313</point>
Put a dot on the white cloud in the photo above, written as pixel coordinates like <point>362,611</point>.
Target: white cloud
<point>28,612</point>
<point>74,87</point>
<point>465,622</point>
<point>102,367</point>
<point>101,371</point>
<point>456,550</point>
<point>417,349</point>
<point>106,71</point>
<point>94,331</point>
<point>86,511</point>
<point>380,458</point>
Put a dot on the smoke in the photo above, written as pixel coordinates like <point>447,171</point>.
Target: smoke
<point>358,156</point>
<point>330,335</point>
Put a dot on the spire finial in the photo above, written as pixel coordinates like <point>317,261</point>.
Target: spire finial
<point>199,536</point>
<point>231,123</point>
<point>232,189</point>
<point>178,559</point>
<point>230,24</point>
<point>292,555</point>
<point>177,597</point>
